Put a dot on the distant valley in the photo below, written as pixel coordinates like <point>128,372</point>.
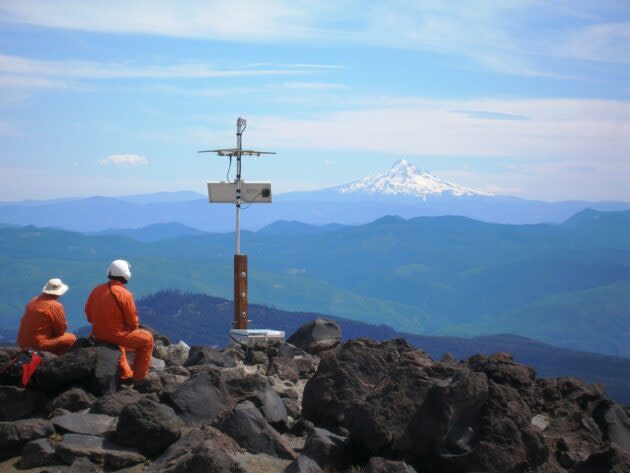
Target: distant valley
<point>566,284</point>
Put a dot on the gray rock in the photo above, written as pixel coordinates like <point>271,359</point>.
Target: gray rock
<point>114,403</point>
<point>245,424</point>
<point>179,455</point>
<point>151,384</point>
<point>201,355</point>
<point>37,453</point>
<point>73,400</point>
<point>327,449</point>
<point>380,465</point>
<point>617,426</point>
<point>292,407</point>
<point>317,336</point>
<point>148,426</point>
<point>98,450</point>
<point>256,388</point>
<point>82,465</point>
<point>303,464</point>
<point>199,400</point>
<point>211,459</point>
<point>17,403</point>
<point>174,354</point>
<point>157,364</point>
<point>14,435</point>
<point>85,423</point>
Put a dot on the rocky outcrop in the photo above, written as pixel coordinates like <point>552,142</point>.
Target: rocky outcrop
<point>317,336</point>
<point>313,406</point>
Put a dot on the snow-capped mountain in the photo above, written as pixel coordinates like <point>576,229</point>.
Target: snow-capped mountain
<point>405,179</point>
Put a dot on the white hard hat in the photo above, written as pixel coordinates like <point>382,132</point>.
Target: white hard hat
<point>55,287</point>
<point>120,268</point>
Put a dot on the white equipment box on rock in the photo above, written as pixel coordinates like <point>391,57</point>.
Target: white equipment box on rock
<point>253,337</point>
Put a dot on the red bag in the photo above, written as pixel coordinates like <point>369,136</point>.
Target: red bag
<point>20,369</point>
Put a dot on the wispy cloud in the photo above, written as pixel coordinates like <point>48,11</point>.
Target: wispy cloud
<point>312,85</point>
<point>507,37</point>
<point>124,160</point>
<point>589,130</point>
<point>17,65</point>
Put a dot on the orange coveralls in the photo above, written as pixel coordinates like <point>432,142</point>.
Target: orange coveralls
<point>116,321</point>
<point>43,326</point>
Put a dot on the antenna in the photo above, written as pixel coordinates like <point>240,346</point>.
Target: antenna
<point>233,192</point>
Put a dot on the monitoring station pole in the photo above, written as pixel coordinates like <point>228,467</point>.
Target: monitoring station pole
<point>238,192</point>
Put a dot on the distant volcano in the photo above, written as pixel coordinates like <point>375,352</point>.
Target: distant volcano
<point>404,179</point>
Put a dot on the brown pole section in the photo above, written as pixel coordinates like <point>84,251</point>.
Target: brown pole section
<point>240,292</point>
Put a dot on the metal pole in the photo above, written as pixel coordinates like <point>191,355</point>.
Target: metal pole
<point>240,125</point>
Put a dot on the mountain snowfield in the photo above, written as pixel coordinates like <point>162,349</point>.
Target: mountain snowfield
<point>405,179</point>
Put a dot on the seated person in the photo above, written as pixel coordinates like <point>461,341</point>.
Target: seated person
<point>43,325</point>
<point>111,310</point>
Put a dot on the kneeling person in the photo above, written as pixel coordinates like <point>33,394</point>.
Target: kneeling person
<point>111,310</point>
<point>43,325</point>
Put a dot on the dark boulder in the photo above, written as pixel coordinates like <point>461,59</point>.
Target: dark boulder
<point>245,424</point>
<point>17,403</point>
<point>37,453</point>
<point>256,388</point>
<point>398,403</point>
<point>89,364</point>
<point>327,449</point>
<point>202,355</point>
<point>73,400</point>
<point>370,388</point>
<point>84,423</point>
<point>317,336</point>
<point>200,399</point>
<point>448,420</point>
<point>303,464</point>
<point>14,435</point>
<point>380,465</point>
<point>179,455</point>
<point>148,426</point>
<point>114,403</point>
<point>96,449</point>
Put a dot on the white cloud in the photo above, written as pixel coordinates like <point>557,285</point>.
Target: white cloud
<point>555,128</point>
<point>16,65</point>
<point>508,37</point>
<point>312,85</point>
<point>600,42</point>
<point>124,160</point>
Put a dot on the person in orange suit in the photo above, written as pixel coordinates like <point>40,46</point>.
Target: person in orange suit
<point>43,325</point>
<point>111,310</point>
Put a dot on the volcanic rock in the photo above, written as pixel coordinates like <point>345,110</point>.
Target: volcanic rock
<point>201,355</point>
<point>96,449</point>
<point>37,453</point>
<point>84,423</point>
<point>114,403</point>
<point>89,364</point>
<point>73,400</point>
<point>148,426</point>
<point>327,449</point>
<point>14,435</point>
<point>17,403</point>
<point>380,465</point>
<point>245,424</point>
<point>303,464</point>
<point>200,399</point>
<point>317,336</point>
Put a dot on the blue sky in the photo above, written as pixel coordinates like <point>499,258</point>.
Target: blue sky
<point>526,98</point>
